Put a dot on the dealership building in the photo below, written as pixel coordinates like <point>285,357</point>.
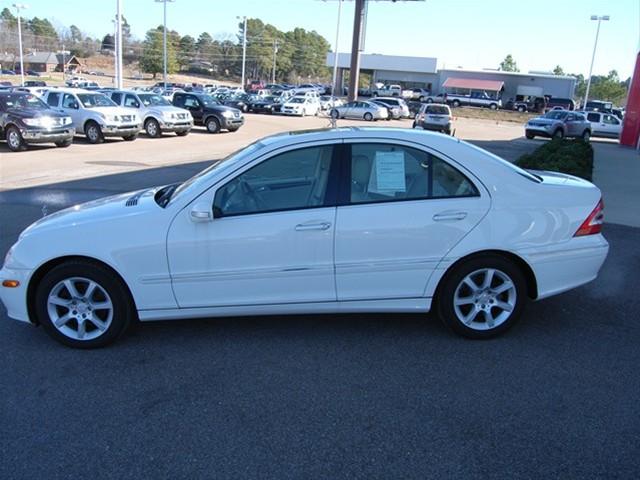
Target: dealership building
<point>422,72</point>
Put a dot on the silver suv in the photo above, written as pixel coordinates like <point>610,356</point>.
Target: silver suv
<point>94,114</point>
<point>158,115</point>
<point>434,116</point>
<point>559,124</point>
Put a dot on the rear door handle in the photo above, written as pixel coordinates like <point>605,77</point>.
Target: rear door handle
<point>302,227</point>
<point>449,216</point>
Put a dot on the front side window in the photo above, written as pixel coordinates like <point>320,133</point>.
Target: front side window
<point>191,102</point>
<point>91,100</point>
<point>131,101</point>
<point>69,101</point>
<point>289,181</point>
<point>611,120</point>
<point>383,172</point>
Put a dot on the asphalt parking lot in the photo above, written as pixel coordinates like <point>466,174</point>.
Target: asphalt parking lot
<point>327,396</point>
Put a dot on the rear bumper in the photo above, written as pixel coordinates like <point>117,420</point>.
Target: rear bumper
<point>46,136</point>
<point>439,127</point>
<point>558,271</point>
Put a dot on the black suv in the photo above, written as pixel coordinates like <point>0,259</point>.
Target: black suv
<point>207,111</point>
<point>24,119</point>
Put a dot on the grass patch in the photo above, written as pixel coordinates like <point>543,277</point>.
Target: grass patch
<point>574,157</point>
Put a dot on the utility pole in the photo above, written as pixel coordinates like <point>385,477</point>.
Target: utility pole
<point>335,53</point>
<point>164,41</point>
<point>119,44</point>
<point>275,53</point>
<point>18,7</point>
<point>354,69</point>
<point>599,18</point>
<point>244,47</point>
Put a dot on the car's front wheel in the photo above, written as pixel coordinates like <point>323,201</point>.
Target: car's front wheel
<point>152,127</point>
<point>368,117</point>
<point>482,297</point>
<point>93,132</point>
<point>586,135</point>
<point>14,139</point>
<point>83,304</point>
<point>213,125</point>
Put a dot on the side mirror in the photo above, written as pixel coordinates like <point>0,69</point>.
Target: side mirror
<point>75,106</point>
<point>201,212</point>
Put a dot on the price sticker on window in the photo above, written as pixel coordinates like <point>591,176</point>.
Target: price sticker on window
<point>388,175</point>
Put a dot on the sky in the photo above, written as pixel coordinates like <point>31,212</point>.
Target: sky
<point>473,34</point>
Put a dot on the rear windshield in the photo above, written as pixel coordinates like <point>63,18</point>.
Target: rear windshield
<point>437,109</point>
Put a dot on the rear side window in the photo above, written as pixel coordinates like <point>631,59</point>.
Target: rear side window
<point>53,99</point>
<point>593,117</point>
<point>385,172</point>
<point>116,97</point>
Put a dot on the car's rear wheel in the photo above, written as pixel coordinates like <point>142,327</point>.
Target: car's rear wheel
<point>334,114</point>
<point>586,135</point>
<point>14,139</point>
<point>482,297</point>
<point>152,127</point>
<point>521,109</point>
<point>213,125</point>
<point>429,100</point>
<point>421,98</point>
<point>367,116</point>
<point>83,305</point>
<point>530,136</point>
<point>493,106</point>
<point>93,132</point>
<point>64,143</point>
<point>456,103</point>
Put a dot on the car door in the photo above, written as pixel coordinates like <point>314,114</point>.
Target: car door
<point>597,126</point>
<point>611,125</point>
<point>404,209</point>
<point>271,241</point>
<point>71,106</point>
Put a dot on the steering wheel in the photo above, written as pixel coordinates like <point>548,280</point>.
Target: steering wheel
<point>250,193</point>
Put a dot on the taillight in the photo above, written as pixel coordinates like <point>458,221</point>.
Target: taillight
<point>593,223</point>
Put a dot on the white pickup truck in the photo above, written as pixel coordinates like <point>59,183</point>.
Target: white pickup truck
<point>387,91</point>
<point>474,99</point>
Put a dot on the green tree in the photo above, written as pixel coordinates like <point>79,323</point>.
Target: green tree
<point>509,64</point>
<point>558,70</point>
<point>152,53</point>
<point>186,51</point>
<point>76,34</point>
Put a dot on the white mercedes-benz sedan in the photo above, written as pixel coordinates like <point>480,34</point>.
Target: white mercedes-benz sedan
<point>327,221</point>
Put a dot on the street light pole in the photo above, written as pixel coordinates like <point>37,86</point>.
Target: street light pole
<point>119,44</point>
<point>599,18</point>
<point>275,53</point>
<point>335,53</point>
<point>164,41</point>
<point>18,7</point>
<point>244,47</point>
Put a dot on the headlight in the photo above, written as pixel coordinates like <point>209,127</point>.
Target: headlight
<point>227,114</point>
<point>32,122</point>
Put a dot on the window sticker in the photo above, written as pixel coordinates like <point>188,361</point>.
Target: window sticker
<point>387,175</point>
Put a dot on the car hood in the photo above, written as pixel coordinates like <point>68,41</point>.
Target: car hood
<point>543,121</point>
<point>100,210</point>
<point>34,113</point>
<point>220,108</point>
<point>113,110</point>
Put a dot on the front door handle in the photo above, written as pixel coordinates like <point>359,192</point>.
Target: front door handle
<point>302,227</point>
<point>449,216</point>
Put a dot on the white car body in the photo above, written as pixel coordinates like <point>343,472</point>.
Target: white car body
<point>388,91</point>
<point>168,117</point>
<point>180,260</point>
<point>301,105</point>
<point>113,121</point>
<point>604,124</point>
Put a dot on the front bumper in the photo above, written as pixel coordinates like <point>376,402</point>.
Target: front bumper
<point>36,135</point>
<point>177,126</point>
<point>15,299</point>
<point>232,123</point>
<point>117,130</point>
<point>539,131</point>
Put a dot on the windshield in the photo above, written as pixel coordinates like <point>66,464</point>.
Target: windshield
<point>150,99</point>
<point>208,100</point>
<point>297,100</point>
<point>90,100</point>
<point>23,101</point>
<point>229,160</point>
<point>556,114</point>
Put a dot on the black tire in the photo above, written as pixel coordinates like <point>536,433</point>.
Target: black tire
<point>367,116</point>
<point>521,109</point>
<point>558,133</point>
<point>421,98</point>
<point>93,132</point>
<point>530,136</point>
<point>152,127</point>
<point>123,311</point>
<point>456,103</point>
<point>493,106</point>
<point>429,100</point>
<point>453,283</point>
<point>245,109</point>
<point>15,142</point>
<point>212,124</point>
<point>375,94</point>
<point>64,143</point>
<point>130,138</point>
<point>586,135</point>
<point>334,114</point>
<point>414,125</point>
<point>183,133</point>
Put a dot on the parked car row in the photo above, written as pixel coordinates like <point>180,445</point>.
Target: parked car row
<point>61,113</point>
<point>574,124</point>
